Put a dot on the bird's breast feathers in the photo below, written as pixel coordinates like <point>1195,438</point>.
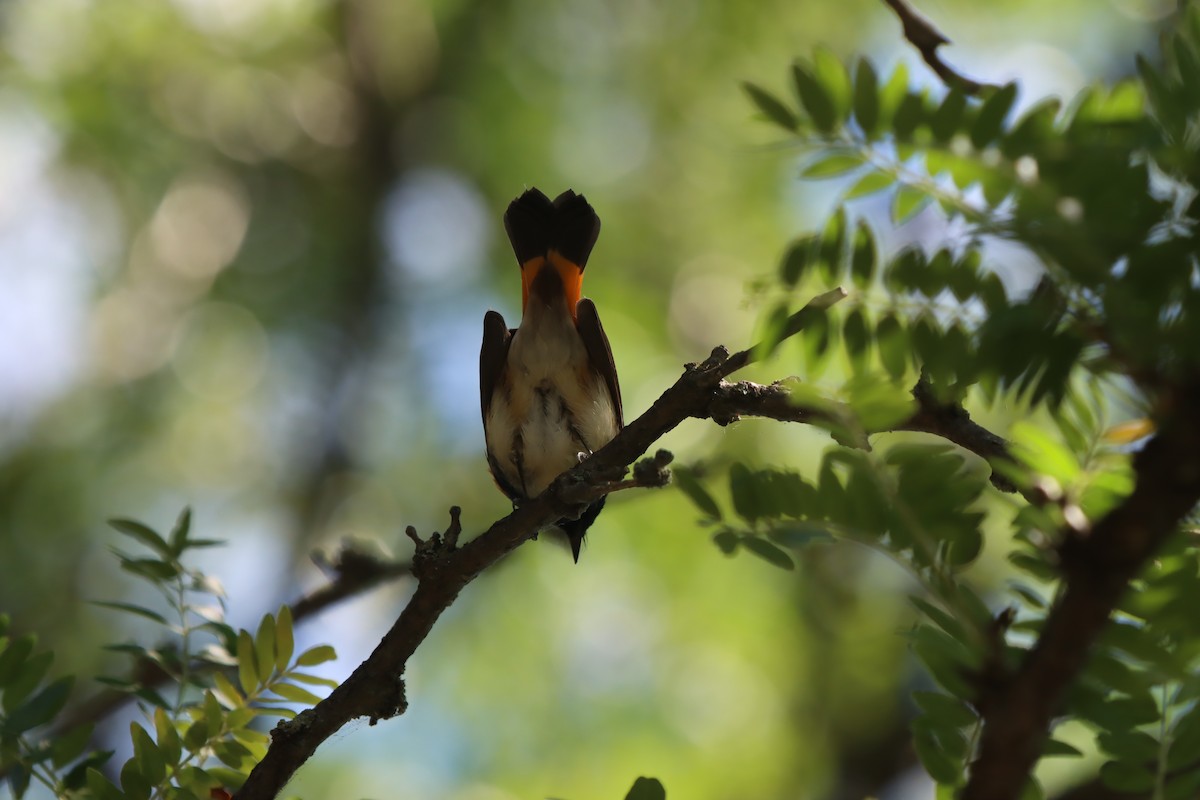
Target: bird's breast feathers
<point>549,407</point>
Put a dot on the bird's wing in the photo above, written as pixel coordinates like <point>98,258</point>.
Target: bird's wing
<point>599,352</point>
<point>493,355</point>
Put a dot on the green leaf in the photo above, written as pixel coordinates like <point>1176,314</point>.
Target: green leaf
<point>179,532</point>
<point>285,644</point>
<point>941,618</point>
<point>232,753</point>
<point>155,571</point>
<point>797,258</point>
<point>909,115</point>
<point>264,648</point>
<point>879,405</point>
<point>1057,748</point>
<point>944,709</point>
<point>101,787</point>
<point>133,782</point>
<point>316,655</point>
<point>294,693</point>
<point>1132,746</point>
<point>727,542</point>
<point>167,737</point>
<point>831,248</point>
<point>14,656</point>
<point>29,676</point>
<point>991,116</point>
<point>829,70</point>
<point>774,109</point>
<point>226,692</point>
<point>151,764</point>
<point>862,256</point>
<point>892,94</point>
<point>1043,454</point>
<point>247,669</point>
<point>945,121</point>
<point>868,184</point>
<point>815,340</point>
<point>1035,126</point>
<point>1185,740</point>
<point>214,714</point>
<point>833,164</point>
<point>892,343</point>
<point>685,480</point>
<point>70,745</point>
<point>19,775</point>
<point>647,789</point>
<point>76,778</point>
<point>964,548</point>
<point>39,709</point>
<point>768,552</point>
<point>774,323</point>
<point>814,98</point>
<point>196,736</point>
<point>130,608</point>
<point>743,487</point>
<point>797,535</point>
<point>866,98</point>
<point>856,337</point>
<point>142,533</point>
<point>1124,777</point>
<point>907,202</point>
<point>314,680</point>
<point>1163,101</point>
<point>943,768</point>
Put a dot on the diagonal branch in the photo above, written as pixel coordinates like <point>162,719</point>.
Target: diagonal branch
<point>375,689</point>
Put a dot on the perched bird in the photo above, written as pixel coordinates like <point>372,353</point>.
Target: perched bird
<point>548,388</point>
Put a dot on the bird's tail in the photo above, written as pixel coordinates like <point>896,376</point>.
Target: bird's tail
<point>567,225</point>
<point>575,529</point>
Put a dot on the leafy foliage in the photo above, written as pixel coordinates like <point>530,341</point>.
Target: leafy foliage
<point>205,737</point>
<point>1102,196</point>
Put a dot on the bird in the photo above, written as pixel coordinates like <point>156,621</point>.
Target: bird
<point>548,388</point>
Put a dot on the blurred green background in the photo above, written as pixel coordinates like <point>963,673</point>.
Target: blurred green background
<point>245,251</point>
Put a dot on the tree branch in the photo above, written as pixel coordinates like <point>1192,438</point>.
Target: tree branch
<point>375,689</point>
<point>921,33</point>
<point>949,421</point>
<point>1017,712</point>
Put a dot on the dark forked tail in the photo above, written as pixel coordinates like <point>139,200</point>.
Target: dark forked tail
<point>535,226</point>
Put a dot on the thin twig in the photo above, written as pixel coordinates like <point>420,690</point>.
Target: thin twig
<point>921,33</point>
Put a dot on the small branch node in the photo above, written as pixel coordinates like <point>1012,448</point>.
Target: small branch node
<point>429,553</point>
<point>287,728</point>
<point>653,472</point>
<point>393,703</point>
<point>452,533</point>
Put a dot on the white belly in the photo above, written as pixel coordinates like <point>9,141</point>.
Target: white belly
<point>551,409</point>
